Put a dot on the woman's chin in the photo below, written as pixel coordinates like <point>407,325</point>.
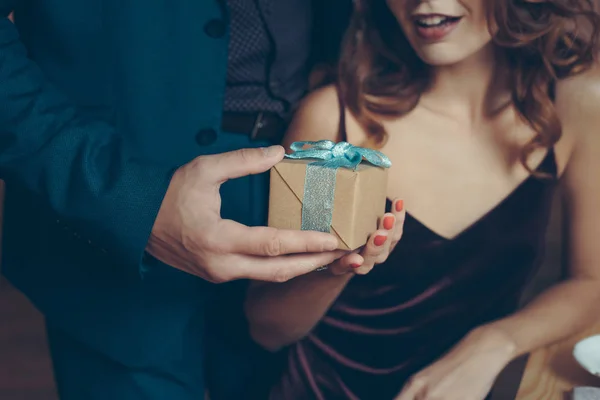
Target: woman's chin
<point>451,53</point>
<point>442,59</point>
<point>440,55</point>
<point>439,60</point>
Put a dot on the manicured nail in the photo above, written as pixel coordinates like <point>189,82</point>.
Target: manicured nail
<point>388,222</point>
<point>355,265</point>
<point>379,240</point>
<point>399,205</point>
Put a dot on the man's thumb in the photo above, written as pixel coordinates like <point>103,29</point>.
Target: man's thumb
<point>238,163</point>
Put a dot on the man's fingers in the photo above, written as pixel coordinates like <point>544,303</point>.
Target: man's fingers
<point>243,162</point>
<point>265,241</point>
<point>283,268</point>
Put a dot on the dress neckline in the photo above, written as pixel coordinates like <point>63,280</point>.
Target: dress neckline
<point>548,165</point>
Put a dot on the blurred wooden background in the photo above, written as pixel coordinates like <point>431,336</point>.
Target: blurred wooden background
<point>25,370</point>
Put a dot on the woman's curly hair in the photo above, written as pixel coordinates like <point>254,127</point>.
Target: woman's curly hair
<point>380,74</point>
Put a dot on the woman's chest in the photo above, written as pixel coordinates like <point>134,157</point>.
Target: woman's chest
<point>449,179</point>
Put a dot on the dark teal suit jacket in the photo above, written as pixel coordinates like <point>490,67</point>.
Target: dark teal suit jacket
<point>100,101</point>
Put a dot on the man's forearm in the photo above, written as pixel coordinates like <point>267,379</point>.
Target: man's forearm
<point>81,169</point>
<point>559,312</point>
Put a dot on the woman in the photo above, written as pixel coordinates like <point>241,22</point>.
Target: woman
<point>481,105</point>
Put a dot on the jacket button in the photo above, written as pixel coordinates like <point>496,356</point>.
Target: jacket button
<point>215,28</point>
<point>206,137</point>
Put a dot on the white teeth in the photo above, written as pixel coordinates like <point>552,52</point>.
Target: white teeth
<point>432,21</point>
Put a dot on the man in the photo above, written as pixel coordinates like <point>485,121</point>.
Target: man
<point>116,132</point>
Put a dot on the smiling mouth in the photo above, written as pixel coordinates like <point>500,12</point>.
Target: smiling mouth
<point>435,21</point>
<point>435,27</point>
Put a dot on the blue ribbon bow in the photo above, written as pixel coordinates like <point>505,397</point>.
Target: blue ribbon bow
<point>338,155</point>
<point>320,180</point>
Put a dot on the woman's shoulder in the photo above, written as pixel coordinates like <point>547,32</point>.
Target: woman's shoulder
<point>578,97</point>
<point>577,104</point>
<point>318,117</point>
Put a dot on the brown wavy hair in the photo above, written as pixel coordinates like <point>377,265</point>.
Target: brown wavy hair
<point>380,75</point>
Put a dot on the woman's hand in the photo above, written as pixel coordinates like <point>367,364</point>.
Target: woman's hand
<point>467,372</point>
<point>379,246</point>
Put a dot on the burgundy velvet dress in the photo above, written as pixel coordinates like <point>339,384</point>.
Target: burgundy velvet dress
<point>408,311</point>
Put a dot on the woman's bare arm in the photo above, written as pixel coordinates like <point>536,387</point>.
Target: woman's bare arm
<point>280,314</point>
<point>573,304</point>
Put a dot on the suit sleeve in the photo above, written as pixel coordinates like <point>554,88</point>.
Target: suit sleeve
<point>80,169</point>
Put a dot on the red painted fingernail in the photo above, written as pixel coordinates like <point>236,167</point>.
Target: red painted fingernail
<point>355,265</point>
<point>379,240</point>
<point>388,222</point>
<point>399,205</point>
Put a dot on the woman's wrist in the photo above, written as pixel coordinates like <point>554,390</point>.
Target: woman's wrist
<point>337,276</point>
<point>496,340</point>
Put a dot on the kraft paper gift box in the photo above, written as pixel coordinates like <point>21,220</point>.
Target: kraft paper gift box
<point>328,187</point>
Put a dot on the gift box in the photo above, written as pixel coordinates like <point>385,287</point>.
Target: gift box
<point>330,187</point>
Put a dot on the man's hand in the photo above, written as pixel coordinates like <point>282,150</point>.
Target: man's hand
<point>190,235</point>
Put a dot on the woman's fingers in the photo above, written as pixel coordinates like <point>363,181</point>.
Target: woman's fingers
<point>400,214</point>
<point>373,250</point>
<point>414,390</point>
<point>349,263</point>
<point>379,246</point>
<point>388,224</point>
